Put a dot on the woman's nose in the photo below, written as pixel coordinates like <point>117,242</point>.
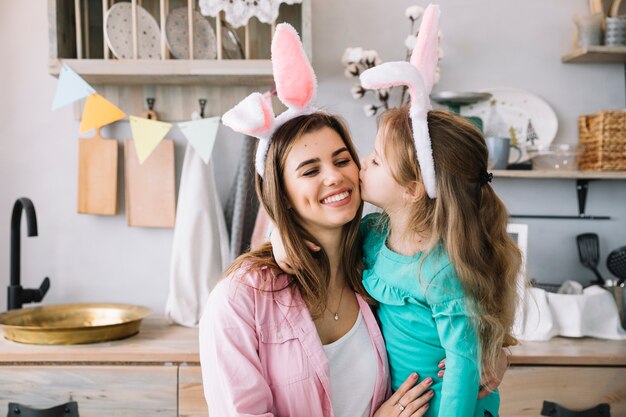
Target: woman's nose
<point>333,176</point>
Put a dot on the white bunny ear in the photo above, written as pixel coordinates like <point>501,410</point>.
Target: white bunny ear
<point>295,80</point>
<point>426,52</point>
<point>253,116</point>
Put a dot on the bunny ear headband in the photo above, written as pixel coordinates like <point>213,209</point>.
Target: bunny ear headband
<point>419,77</point>
<point>296,87</point>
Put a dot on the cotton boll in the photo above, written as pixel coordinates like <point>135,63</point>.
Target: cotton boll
<point>352,70</point>
<point>414,12</point>
<point>357,91</point>
<point>370,110</point>
<point>410,42</point>
<point>352,55</point>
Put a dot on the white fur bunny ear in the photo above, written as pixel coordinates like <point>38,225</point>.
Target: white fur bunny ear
<point>419,77</point>
<point>253,116</point>
<point>295,80</point>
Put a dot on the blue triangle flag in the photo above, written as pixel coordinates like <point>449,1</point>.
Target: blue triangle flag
<point>201,135</point>
<point>71,87</point>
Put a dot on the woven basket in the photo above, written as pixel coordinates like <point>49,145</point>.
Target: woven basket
<point>604,137</point>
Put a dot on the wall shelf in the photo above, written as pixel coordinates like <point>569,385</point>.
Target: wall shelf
<point>257,72</point>
<point>606,54</point>
<point>545,174</point>
<point>582,185</point>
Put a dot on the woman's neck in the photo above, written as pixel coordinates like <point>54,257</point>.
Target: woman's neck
<point>402,239</point>
<point>330,241</point>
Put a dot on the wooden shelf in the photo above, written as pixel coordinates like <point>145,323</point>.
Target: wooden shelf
<point>580,175</point>
<point>253,72</point>
<point>610,54</point>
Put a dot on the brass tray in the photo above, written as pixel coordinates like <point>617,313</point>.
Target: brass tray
<point>72,324</point>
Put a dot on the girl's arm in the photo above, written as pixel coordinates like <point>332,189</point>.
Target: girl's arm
<point>231,368</point>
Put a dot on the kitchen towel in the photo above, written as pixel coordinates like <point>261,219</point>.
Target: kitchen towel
<point>242,205</point>
<point>592,313</point>
<point>200,244</point>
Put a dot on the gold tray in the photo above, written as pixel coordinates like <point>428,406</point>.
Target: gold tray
<point>72,324</point>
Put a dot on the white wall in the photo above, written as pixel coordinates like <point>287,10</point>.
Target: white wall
<point>487,43</point>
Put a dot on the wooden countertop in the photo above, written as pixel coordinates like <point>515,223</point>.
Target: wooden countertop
<point>157,342</point>
<point>161,343</point>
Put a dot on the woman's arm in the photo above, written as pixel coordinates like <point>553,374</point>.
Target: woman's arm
<point>231,369</point>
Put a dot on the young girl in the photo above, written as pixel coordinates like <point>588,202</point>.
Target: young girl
<point>439,260</point>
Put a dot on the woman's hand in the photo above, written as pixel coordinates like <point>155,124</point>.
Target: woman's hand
<point>409,400</point>
<point>280,254</point>
<point>490,381</point>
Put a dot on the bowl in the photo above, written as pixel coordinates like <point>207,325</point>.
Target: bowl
<point>555,157</point>
<point>71,324</point>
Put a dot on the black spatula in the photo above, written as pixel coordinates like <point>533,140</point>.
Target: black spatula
<point>589,253</point>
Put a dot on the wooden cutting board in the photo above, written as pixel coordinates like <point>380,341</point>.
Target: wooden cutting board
<point>150,187</point>
<point>97,175</point>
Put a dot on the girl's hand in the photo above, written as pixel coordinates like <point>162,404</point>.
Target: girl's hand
<point>409,400</point>
<point>280,254</point>
<point>488,381</point>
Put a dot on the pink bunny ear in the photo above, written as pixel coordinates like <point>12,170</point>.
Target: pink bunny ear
<point>426,52</point>
<point>295,80</point>
<point>252,116</point>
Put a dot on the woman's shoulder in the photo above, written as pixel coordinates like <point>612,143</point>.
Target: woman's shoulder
<point>249,281</point>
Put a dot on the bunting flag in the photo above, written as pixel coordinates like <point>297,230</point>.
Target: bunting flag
<point>201,135</point>
<point>147,135</point>
<point>99,112</point>
<point>71,87</point>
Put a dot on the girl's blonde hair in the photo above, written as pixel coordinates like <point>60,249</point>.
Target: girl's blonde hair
<point>467,217</point>
<point>312,269</point>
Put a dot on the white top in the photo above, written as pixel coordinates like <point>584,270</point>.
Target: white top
<point>352,363</point>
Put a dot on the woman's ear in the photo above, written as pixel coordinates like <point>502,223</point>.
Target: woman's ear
<point>414,192</point>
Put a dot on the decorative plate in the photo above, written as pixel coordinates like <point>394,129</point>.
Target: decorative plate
<point>118,32</point>
<point>520,110</point>
<point>177,35</point>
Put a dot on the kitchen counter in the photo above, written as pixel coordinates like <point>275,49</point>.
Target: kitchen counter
<point>158,371</point>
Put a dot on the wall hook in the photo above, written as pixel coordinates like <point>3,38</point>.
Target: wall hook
<point>150,103</point>
<point>202,103</point>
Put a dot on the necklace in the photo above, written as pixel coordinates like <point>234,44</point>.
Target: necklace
<point>336,317</point>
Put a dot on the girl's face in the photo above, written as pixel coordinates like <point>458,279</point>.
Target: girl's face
<point>322,180</point>
<point>378,187</point>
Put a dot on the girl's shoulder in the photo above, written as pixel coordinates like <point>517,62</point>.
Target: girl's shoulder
<point>440,277</point>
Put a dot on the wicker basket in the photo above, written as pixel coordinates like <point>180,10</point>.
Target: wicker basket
<point>604,137</point>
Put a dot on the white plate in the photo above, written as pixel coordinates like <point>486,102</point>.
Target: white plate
<point>177,35</point>
<point>118,32</point>
<point>517,107</point>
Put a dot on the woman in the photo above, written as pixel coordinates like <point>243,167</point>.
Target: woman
<point>305,344</point>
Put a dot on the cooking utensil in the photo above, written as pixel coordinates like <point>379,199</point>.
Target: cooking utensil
<point>616,263</point>
<point>97,175</point>
<point>71,324</point>
<point>150,187</point>
<point>589,254</point>
<point>118,32</point>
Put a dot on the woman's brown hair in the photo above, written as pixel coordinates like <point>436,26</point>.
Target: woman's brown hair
<point>312,269</point>
<point>467,217</point>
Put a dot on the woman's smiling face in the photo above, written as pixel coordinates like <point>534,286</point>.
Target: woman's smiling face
<point>322,180</point>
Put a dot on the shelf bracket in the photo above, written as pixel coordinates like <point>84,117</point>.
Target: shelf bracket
<point>582,186</point>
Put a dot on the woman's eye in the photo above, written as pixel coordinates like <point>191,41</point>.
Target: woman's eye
<point>310,172</point>
<point>342,162</point>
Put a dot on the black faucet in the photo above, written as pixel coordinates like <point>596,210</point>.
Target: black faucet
<point>16,294</point>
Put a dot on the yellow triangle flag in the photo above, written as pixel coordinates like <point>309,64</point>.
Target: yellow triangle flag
<point>147,135</point>
<point>99,112</point>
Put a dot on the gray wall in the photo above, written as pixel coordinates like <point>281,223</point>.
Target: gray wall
<point>487,43</point>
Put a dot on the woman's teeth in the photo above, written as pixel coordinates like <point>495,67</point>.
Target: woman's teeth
<point>336,197</point>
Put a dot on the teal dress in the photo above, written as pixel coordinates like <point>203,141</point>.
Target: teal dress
<point>424,318</point>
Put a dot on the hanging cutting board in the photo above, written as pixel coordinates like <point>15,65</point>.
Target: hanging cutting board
<point>150,187</point>
<point>97,175</point>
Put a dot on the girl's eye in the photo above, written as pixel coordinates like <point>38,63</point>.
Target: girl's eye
<point>374,162</point>
<point>342,162</point>
<point>310,172</point>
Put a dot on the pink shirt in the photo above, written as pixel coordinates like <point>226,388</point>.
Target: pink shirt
<point>261,354</point>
